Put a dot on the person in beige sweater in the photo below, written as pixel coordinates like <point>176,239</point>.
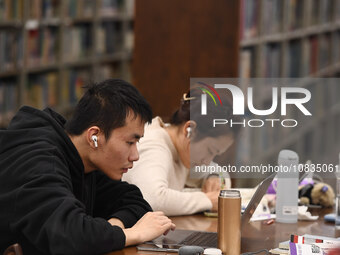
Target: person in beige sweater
<point>167,151</point>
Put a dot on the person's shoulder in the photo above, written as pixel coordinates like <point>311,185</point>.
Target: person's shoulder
<point>156,124</point>
<point>155,130</point>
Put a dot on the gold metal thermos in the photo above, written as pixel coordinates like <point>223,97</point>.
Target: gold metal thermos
<point>229,222</point>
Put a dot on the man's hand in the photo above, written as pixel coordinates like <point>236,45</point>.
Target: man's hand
<point>116,222</point>
<point>150,226</point>
<point>212,183</point>
<point>213,196</point>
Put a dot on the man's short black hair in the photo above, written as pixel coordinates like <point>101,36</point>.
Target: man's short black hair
<point>106,105</point>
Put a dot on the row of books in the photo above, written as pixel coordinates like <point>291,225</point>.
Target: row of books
<point>107,8</point>
<point>11,50</point>
<point>328,11</point>
<point>42,44</point>
<point>8,99</point>
<point>11,10</point>
<point>276,12</point>
<point>316,53</point>
<point>303,57</point>
<point>47,9</point>
<point>77,42</point>
<point>47,90</point>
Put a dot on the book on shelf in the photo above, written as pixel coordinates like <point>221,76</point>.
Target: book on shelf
<point>246,71</point>
<point>337,10</point>
<point>295,14</point>
<point>110,7</point>
<point>109,38</point>
<point>108,71</point>
<point>272,60</point>
<point>44,9</point>
<point>315,18</point>
<point>325,11</point>
<point>11,54</point>
<point>80,8</point>
<point>2,106</point>
<point>324,51</point>
<point>42,90</point>
<point>42,46</point>
<point>72,85</point>
<point>8,99</point>
<point>245,65</point>
<point>77,42</point>
<point>336,47</point>
<point>11,10</point>
<point>130,7</point>
<point>272,16</point>
<point>249,18</point>
<point>306,58</point>
<point>128,40</point>
<point>314,54</point>
<point>294,58</point>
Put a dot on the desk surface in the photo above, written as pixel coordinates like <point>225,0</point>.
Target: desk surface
<point>257,235</point>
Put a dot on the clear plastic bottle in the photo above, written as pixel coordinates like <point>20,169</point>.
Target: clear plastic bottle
<point>287,187</point>
<point>337,198</point>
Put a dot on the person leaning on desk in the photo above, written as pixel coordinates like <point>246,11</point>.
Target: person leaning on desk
<point>60,188</point>
<point>168,150</point>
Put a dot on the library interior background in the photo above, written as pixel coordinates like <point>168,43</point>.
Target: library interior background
<point>50,49</point>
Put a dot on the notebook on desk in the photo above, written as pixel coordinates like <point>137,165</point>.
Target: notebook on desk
<point>178,238</point>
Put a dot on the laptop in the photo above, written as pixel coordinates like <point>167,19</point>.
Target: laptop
<point>179,237</point>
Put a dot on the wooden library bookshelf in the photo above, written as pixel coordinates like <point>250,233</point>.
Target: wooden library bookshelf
<point>50,48</point>
<point>294,39</point>
<point>246,39</point>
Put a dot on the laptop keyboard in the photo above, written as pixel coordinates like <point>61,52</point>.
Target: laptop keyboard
<point>204,239</point>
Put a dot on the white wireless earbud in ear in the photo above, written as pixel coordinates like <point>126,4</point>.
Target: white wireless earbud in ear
<point>189,132</point>
<point>95,140</point>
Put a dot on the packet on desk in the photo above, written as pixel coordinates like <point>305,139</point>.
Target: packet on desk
<point>310,249</point>
<point>304,249</point>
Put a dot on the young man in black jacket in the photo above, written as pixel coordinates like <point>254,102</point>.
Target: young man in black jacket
<point>60,188</point>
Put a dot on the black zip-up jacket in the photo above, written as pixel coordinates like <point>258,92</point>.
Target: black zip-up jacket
<point>47,204</point>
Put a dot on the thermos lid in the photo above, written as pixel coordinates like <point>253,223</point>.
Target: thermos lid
<point>230,193</point>
<point>212,251</point>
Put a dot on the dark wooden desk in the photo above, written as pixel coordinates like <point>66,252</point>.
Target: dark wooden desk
<point>258,235</point>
